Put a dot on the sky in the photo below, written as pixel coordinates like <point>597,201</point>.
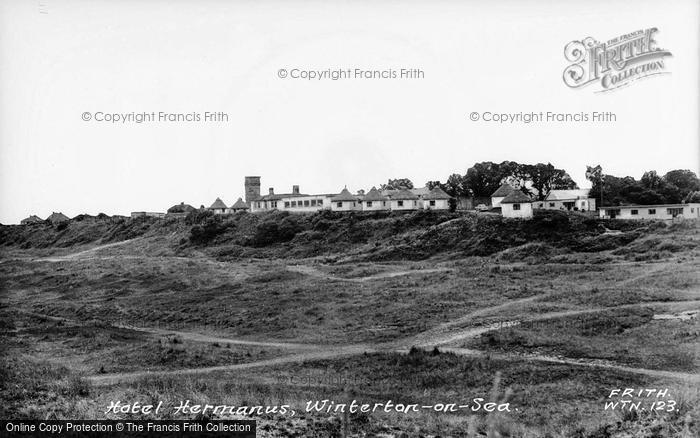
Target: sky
<point>62,59</point>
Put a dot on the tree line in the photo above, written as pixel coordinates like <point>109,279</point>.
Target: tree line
<point>538,180</point>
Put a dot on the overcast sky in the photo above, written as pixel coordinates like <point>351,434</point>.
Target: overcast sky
<point>59,59</point>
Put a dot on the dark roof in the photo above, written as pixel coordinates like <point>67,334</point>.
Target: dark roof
<point>437,193</point>
<point>516,197</point>
<point>32,219</point>
<point>374,195</point>
<point>422,191</point>
<point>240,205</point>
<point>218,204</point>
<point>344,195</point>
<point>57,217</point>
<point>181,208</point>
<point>503,191</point>
<point>403,194</point>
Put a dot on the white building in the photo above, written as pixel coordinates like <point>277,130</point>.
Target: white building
<point>346,201</point>
<point>567,200</point>
<point>516,205</point>
<point>296,202</point>
<point>500,193</point>
<point>403,199</point>
<point>436,199</point>
<point>218,207</point>
<point>659,211</point>
<point>374,200</point>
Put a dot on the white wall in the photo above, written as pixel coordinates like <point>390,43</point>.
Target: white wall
<point>524,212</point>
<point>407,204</point>
<point>346,206</point>
<point>440,204</point>
<point>690,211</point>
<point>376,205</point>
<point>581,204</point>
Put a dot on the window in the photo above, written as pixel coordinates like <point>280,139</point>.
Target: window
<point>258,205</point>
<point>551,205</point>
<point>415,203</point>
<point>383,203</point>
<point>634,212</point>
<point>319,201</point>
<point>692,210</point>
<point>432,203</point>
<point>369,203</point>
<point>306,203</point>
<point>294,203</point>
<point>313,202</point>
<point>399,203</point>
<point>286,204</point>
<point>339,204</point>
<point>652,211</point>
<point>674,211</point>
<point>516,206</point>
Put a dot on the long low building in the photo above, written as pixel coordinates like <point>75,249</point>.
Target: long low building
<point>659,211</point>
<point>297,202</point>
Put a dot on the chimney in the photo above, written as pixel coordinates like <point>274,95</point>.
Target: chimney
<point>295,190</point>
<point>272,191</point>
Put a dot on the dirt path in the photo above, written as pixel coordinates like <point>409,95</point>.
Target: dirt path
<point>577,362</point>
<point>440,336</point>
<point>329,353</point>
<point>426,340</point>
<point>201,337</point>
<point>314,272</point>
<point>79,254</point>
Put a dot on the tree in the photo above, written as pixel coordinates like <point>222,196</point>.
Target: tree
<point>651,180</point>
<point>545,177</point>
<point>594,174</point>
<point>455,186</point>
<point>482,179</point>
<point>685,180</point>
<point>397,184</point>
<point>693,197</point>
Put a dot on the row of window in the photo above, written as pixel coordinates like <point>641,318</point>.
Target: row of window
<point>304,203</point>
<point>319,203</point>
<point>669,211</point>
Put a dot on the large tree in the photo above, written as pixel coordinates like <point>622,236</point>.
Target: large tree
<point>397,184</point>
<point>483,178</point>
<point>544,178</point>
<point>685,180</point>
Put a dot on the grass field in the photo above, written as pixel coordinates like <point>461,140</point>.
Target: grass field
<point>548,316</point>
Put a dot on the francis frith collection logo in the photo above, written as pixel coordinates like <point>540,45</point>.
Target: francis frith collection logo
<point>615,63</point>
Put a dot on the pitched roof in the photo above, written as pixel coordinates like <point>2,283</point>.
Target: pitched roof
<point>57,217</point>
<point>181,208</point>
<point>422,191</point>
<point>437,193</point>
<point>32,219</point>
<point>560,195</point>
<point>503,191</point>
<point>240,205</point>
<point>374,195</point>
<point>516,197</point>
<point>218,204</point>
<point>403,194</point>
<point>344,195</point>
